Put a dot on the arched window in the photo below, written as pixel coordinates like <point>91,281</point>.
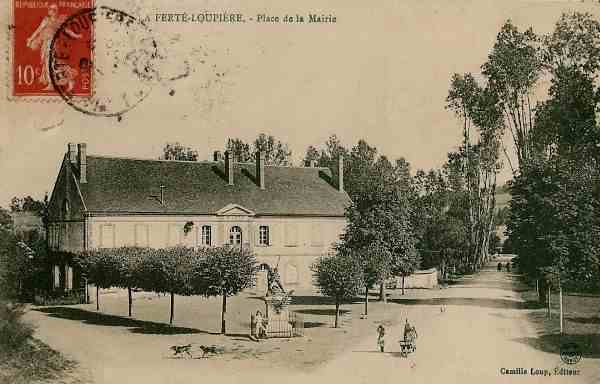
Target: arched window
<point>235,235</point>
<point>264,267</point>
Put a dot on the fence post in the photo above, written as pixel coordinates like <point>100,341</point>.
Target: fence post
<point>252,325</point>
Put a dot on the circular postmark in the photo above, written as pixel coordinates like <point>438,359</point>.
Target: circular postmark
<point>570,353</point>
<point>108,50</point>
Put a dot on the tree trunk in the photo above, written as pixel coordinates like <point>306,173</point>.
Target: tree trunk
<point>223,311</point>
<point>97,298</point>
<point>382,292</point>
<point>402,285</point>
<point>130,300</point>
<point>337,313</point>
<point>560,303</point>
<point>172,307</point>
<point>549,313</point>
<point>366,301</point>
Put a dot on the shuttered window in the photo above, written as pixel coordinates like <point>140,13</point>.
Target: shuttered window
<point>316,235</point>
<point>291,235</point>
<point>142,238</point>
<point>107,236</point>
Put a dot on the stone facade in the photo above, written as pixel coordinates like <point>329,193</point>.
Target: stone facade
<point>292,240</point>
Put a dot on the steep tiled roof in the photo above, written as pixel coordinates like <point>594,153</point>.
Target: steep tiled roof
<point>121,185</point>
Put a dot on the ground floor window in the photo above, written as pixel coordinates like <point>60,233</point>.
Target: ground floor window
<point>56,277</point>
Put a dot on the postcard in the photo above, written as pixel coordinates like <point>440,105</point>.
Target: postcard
<point>316,191</point>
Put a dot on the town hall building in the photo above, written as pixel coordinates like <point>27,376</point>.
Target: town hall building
<point>288,216</point>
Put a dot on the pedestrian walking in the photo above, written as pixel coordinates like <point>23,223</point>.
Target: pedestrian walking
<point>499,267</point>
<point>380,337</point>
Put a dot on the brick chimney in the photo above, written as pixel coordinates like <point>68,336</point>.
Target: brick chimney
<point>260,169</point>
<point>72,153</point>
<point>229,167</point>
<point>82,162</point>
<point>341,173</point>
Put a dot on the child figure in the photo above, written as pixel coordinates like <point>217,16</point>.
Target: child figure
<point>380,337</point>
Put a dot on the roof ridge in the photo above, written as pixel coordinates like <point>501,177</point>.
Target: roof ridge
<point>196,161</point>
<point>148,159</point>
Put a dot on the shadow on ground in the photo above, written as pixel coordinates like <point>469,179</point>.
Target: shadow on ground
<point>589,344</point>
<point>321,312</point>
<point>469,301</point>
<point>136,326</point>
<point>319,300</point>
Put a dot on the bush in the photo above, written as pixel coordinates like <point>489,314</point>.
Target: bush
<point>14,333</point>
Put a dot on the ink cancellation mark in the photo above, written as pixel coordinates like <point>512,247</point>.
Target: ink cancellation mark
<point>34,24</point>
<point>124,65</point>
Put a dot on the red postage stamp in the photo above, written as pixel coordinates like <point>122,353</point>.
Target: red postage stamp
<point>35,25</point>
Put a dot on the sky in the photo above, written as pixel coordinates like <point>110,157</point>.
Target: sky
<point>378,73</point>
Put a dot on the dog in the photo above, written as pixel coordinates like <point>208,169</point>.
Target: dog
<point>209,350</point>
<point>181,349</point>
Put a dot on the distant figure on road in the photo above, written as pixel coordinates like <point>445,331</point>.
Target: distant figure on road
<point>507,266</point>
<point>380,337</point>
<point>499,267</point>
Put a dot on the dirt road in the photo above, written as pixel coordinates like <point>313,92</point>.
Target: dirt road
<point>481,337</point>
<point>476,331</point>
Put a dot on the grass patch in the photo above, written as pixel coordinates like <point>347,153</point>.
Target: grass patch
<point>34,361</point>
<point>581,323</point>
<point>24,359</point>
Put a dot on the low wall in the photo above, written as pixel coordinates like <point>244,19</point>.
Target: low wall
<point>420,279</point>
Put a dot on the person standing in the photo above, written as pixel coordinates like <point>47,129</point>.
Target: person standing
<point>260,325</point>
<point>381,337</point>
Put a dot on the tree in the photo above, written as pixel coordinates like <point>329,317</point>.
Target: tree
<point>512,70</point>
<point>170,270</point>
<point>375,263</point>
<point>574,44</point>
<point>473,168</point>
<point>5,218</point>
<point>380,215</point>
<point>312,154</point>
<point>177,151</point>
<point>328,157</point>
<point>240,150</point>
<point>338,277</point>
<point>276,152</point>
<point>225,272</point>
<point>102,267</point>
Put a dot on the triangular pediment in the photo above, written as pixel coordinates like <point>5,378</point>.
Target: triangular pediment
<point>235,210</point>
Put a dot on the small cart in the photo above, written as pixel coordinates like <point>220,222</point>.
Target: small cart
<point>408,345</point>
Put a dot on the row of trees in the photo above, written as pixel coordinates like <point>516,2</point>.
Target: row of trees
<point>217,271</point>
<point>553,221</point>
<point>276,151</point>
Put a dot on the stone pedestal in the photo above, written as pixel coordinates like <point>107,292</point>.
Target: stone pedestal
<point>278,321</point>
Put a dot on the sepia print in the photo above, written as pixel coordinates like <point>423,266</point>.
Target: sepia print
<point>317,191</point>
